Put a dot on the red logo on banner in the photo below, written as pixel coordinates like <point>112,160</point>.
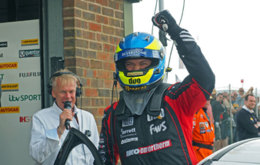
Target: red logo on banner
<point>25,119</point>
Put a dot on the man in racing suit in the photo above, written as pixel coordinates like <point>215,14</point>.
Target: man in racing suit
<point>132,128</point>
<point>203,133</point>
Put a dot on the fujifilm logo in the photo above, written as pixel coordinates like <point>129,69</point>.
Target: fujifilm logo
<point>29,74</point>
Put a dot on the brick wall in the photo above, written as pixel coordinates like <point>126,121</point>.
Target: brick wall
<point>92,29</point>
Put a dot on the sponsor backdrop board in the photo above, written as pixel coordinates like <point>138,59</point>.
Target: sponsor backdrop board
<point>20,94</point>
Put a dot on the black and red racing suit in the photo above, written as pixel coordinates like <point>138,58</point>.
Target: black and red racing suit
<point>162,138</point>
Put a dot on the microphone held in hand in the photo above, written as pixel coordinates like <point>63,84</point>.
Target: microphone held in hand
<point>67,105</point>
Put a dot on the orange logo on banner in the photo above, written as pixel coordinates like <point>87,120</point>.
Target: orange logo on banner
<point>10,87</point>
<point>9,65</point>
<point>9,109</point>
<point>30,42</point>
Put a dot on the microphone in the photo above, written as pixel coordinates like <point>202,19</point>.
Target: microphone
<point>67,105</point>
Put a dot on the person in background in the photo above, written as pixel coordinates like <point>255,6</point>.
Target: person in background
<point>258,111</point>
<point>246,120</point>
<point>228,121</point>
<point>218,109</point>
<point>48,125</point>
<point>241,96</point>
<point>227,102</point>
<point>209,109</point>
<point>203,135</point>
<point>225,121</point>
<point>234,111</point>
<point>238,104</point>
<point>152,122</point>
<point>234,102</point>
<point>210,113</point>
<point>213,96</point>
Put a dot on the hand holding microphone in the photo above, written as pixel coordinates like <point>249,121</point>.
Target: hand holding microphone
<point>67,105</point>
<point>65,117</point>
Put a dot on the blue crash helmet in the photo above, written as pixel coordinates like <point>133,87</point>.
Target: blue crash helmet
<point>140,45</point>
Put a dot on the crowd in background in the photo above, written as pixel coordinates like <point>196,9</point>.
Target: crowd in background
<point>225,106</point>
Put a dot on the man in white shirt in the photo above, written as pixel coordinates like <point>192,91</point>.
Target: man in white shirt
<point>48,125</point>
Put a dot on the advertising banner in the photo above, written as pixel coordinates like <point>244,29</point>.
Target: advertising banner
<point>20,92</point>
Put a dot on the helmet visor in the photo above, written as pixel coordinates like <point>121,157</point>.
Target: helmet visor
<point>122,56</point>
<point>137,53</point>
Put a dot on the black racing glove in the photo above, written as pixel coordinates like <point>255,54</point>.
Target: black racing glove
<point>164,21</point>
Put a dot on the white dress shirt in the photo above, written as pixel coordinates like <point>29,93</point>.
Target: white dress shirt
<point>45,143</point>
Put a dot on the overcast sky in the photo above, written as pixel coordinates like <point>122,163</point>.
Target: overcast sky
<point>226,30</point>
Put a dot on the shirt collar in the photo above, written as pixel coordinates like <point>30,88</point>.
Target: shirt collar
<point>247,109</point>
